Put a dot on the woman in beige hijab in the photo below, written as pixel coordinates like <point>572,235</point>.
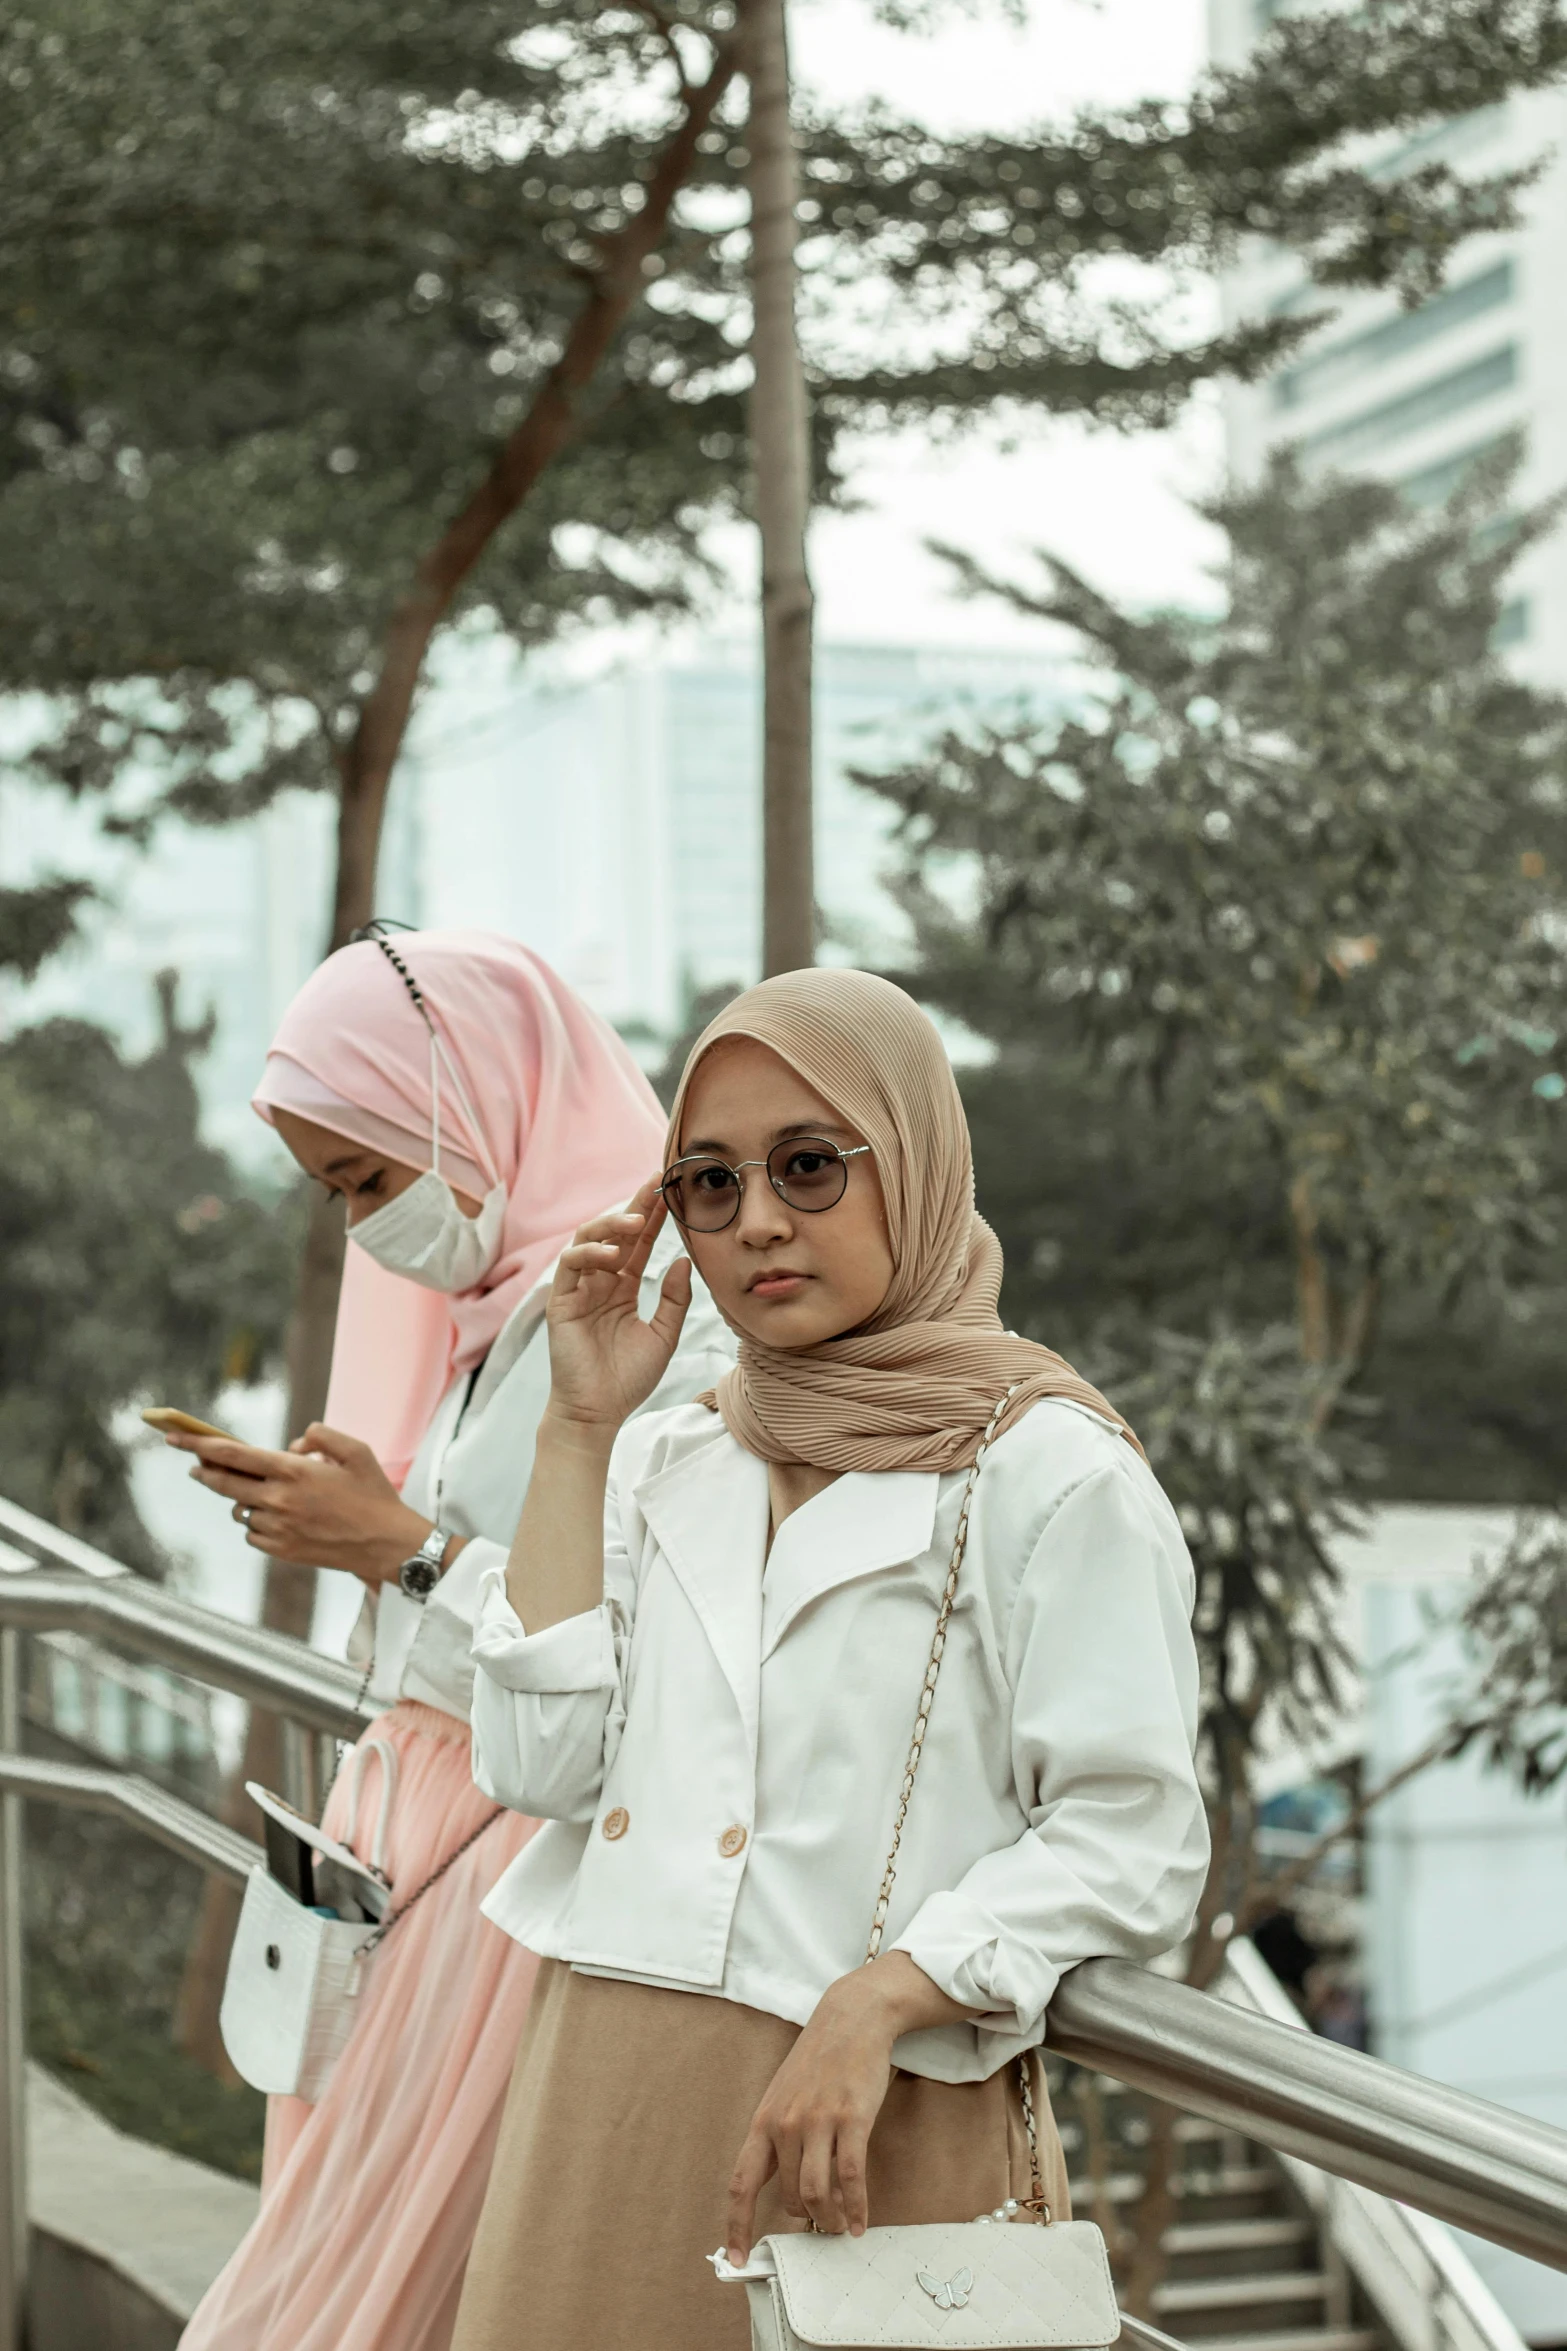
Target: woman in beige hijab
<point>702,1665</point>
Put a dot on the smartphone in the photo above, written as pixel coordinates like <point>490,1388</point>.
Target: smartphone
<point>164,1417</point>
<point>291,1861</point>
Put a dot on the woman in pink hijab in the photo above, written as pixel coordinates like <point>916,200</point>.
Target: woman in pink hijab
<point>473,1112</point>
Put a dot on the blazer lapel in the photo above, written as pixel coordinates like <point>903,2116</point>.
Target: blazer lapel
<point>860,1523</point>
<point>708,1514</point>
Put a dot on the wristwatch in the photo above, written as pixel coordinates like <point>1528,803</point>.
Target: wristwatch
<point>418,1576</point>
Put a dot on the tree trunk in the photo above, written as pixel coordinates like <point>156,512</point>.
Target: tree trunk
<point>365,770</point>
<point>1313,1304</point>
<point>780,445</point>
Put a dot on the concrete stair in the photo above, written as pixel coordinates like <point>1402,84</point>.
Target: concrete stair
<point>1249,2269</point>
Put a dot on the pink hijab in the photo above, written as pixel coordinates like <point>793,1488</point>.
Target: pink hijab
<point>566,1120</point>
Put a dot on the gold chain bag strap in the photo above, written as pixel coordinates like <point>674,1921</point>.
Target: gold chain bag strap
<point>938,1649</point>
<point>966,2285</point>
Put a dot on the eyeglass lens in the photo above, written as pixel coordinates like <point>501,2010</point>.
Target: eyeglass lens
<point>704,1194</point>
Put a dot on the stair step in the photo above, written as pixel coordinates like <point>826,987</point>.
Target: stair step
<point>1235,2236</point>
<point>1292,2339</point>
<point>1251,2179</point>
<point>1126,2186</point>
<point>1240,2292</point>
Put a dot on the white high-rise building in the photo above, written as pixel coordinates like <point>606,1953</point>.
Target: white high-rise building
<point>1413,396</point>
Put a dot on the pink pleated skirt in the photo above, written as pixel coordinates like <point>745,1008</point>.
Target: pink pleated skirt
<point>369,2199</point>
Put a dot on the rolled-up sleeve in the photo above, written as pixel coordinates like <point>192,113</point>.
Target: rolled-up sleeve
<point>549,1707</point>
<point>1103,1670</point>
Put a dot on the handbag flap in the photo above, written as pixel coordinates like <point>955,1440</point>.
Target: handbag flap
<point>366,1885</point>
<point>965,2285</point>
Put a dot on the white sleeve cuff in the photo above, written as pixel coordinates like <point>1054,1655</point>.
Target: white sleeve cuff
<point>576,1654</point>
<point>959,1945</point>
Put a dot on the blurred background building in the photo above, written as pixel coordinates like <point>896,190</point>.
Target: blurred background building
<point>1464,1935</point>
<point>1415,396</point>
<point>613,823</point>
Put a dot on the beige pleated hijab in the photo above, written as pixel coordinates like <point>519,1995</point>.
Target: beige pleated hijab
<point>914,1387</point>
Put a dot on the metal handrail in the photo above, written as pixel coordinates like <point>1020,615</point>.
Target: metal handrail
<point>1460,2158</point>
<point>269,1668</point>
<point>44,1542</point>
<point>141,1802</point>
<point>1463,2159</point>
<point>78,1589</point>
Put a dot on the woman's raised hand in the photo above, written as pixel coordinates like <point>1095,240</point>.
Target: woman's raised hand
<point>604,1359</point>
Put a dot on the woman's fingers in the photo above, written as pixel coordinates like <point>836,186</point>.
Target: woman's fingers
<point>674,1303</point>
<point>599,1247</point>
<point>648,1204</point>
<point>849,2165</point>
<point>758,2161</point>
<point>818,2189</point>
<point>260,1530</point>
<point>253,1461</point>
<point>234,1488</point>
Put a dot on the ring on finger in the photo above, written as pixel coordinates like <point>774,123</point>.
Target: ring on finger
<point>245,1513</point>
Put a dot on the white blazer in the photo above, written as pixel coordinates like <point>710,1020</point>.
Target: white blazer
<point>718,1748</point>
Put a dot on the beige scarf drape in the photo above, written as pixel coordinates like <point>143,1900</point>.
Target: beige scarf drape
<point>914,1387</point>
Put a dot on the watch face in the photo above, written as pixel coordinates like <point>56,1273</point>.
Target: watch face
<point>419,1577</point>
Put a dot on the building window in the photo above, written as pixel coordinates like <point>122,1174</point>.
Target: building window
<point>1338,363</point>
<point>1443,139</point>
<point>1512,624</point>
<point>1433,485</point>
<point>1412,411</point>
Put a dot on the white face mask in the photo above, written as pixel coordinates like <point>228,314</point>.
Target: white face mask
<point>423,1234</point>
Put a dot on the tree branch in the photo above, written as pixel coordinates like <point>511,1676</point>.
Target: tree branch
<point>553,420</point>
<point>1277,1891</point>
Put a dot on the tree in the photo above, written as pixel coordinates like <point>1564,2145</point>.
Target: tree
<point>398,254</point>
<point>1516,1624</point>
<point>1299,862</point>
<point>1284,889</point>
<point>781,455</point>
<point>137,1265</point>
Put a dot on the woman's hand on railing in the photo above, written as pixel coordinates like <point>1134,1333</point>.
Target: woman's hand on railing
<point>814,2124</point>
<point>326,1502</point>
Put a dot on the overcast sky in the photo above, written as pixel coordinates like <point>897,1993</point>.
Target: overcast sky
<point>1111,503</point>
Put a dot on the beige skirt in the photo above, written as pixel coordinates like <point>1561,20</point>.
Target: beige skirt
<point>627,2109</point>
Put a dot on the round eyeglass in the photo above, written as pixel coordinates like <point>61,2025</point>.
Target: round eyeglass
<point>703,1194</point>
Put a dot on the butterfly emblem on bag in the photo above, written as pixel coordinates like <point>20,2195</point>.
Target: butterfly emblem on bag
<point>954,2294</point>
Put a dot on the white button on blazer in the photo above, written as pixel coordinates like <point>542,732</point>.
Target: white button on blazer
<point>717,1749</point>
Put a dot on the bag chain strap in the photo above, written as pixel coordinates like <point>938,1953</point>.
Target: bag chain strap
<point>373,1941</point>
<point>938,1647</point>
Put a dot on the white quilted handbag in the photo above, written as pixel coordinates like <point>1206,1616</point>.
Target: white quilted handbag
<point>290,1998</point>
<point>962,2284</point>
<point>979,2285</point>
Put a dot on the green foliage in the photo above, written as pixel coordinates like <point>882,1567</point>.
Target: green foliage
<point>1227,1422</point>
<point>1293,869</point>
<point>1516,1627</point>
<point>989,242</point>
<point>36,923</point>
<point>136,1265</point>
<point>275,291</point>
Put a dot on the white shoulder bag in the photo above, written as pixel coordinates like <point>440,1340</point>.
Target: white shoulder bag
<point>291,1996</point>
<point>966,2285</point>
